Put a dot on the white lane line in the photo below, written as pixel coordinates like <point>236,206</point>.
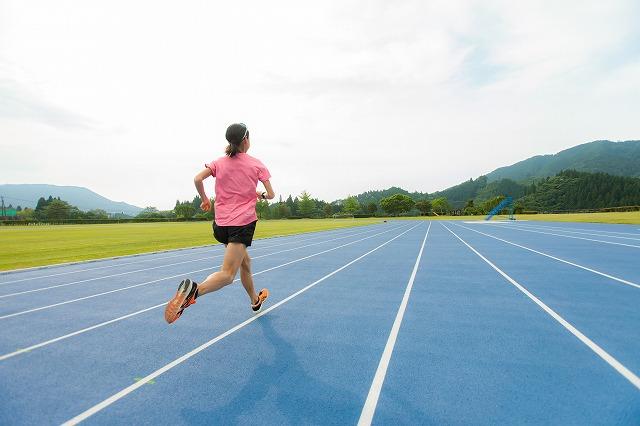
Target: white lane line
<point>620,280</point>
<point>56,266</point>
<point>107,276</point>
<point>171,277</point>
<point>564,236</point>
<point>624,371</point>
<point>105,323</point>
<point>172,264</point>
<point>75,333</point>
<point>96,268</point>
<point>538,228</point>
<point>151,258</point>
<point>369,408</point>
<point>124,392</point>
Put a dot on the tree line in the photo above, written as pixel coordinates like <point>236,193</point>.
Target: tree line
<point>572,190</point>
<point>55,209</point>
<point>568,190</point>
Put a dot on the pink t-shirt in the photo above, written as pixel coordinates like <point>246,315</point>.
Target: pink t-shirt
<point>236,181</point>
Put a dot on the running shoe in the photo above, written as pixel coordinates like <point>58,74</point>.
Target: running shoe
<point>185,296</point>
<point>262,296</point>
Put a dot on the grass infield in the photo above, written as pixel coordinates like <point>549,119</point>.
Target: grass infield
<point>27,246</point>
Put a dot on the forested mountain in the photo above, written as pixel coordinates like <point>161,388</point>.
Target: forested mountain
<point>614,158</point>
<point>572,190</point>
<point>458,195</point>
<point>568,190</point>
<point>502,187</point>
<point>481,190</point>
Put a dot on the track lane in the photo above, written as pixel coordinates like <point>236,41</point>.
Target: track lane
<point>474,350</point>
<point>103,361</point>
<point>301,363</point>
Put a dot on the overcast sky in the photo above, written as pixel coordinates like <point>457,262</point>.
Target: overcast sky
<point>131,98</point>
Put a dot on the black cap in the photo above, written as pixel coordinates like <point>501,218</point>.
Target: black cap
<point>236,133</point>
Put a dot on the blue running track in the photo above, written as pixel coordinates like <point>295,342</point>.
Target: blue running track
<point>406,322</point>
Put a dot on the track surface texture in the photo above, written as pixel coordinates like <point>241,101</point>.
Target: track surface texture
<point>405,322</point>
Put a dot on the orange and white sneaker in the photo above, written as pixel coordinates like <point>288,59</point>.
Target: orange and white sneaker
<point>185,296</point>
<point>262,296</point>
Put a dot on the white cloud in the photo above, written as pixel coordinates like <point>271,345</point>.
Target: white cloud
<point>16,102</point>
<point>341,97</point>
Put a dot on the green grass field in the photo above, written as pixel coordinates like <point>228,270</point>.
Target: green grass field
<point>26,246</point>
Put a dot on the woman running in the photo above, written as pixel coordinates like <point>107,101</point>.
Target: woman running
<point>237,175</point>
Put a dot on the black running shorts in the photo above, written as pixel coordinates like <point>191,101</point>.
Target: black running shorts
<point>235,234</point>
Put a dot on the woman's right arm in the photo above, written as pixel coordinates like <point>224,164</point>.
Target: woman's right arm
<point>205,173</point>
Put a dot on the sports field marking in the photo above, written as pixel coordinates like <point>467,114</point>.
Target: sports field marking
<point>124,392</point>
<point>369,408</point>
<point>150,382</point>
<point>209,257</point>
<point>75,333</point>
<point>619,367</point>
<point>620,280</point>
<point>565,236</point>
<point>17,271</point>
<point>108,276</point>
<point>105,323</point>
<point>491,222</point>
<point>213,246</point>
<point>175,276</point>
<point>542,226</point>
<point>576,232</point>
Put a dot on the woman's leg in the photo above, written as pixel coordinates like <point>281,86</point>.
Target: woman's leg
<point>233,257</point>
<point>247,279</point>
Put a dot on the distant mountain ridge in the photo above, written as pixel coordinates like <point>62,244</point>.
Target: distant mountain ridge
<point>614,158</point>
<point>517,180</point>
<point>27,195</point>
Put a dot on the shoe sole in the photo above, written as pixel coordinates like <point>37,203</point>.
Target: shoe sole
<point>262,296</point>
<point>173,307</point>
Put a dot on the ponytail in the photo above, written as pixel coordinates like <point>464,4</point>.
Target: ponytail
<point>232,150</point>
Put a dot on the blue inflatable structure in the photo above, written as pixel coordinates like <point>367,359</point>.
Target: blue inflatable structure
<point>504,204</point>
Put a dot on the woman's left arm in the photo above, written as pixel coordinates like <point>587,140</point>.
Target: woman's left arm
<point>268,194</point>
